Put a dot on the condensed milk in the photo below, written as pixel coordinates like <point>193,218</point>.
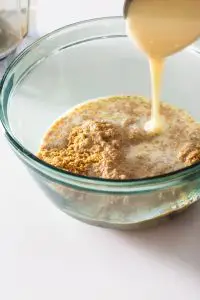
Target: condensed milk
<point>162,28</point>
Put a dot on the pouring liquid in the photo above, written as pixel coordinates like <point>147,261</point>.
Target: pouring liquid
<point>162,28</point>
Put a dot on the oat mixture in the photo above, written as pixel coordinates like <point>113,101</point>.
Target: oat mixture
<point>106,138</point>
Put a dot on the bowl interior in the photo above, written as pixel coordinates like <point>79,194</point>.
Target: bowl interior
<point>87,61</point>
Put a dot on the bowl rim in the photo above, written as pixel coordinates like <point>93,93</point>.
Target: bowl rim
<point>44,168</point>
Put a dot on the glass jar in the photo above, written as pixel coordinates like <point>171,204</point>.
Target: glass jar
<point>24,8</point>
<point>13,16</point>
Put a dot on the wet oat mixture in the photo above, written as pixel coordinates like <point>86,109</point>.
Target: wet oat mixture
<point>106,138</point>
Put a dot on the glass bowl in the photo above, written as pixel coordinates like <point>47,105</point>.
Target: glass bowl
<point>85,61</point>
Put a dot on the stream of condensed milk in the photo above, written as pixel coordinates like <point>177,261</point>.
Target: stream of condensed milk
<point>162,28</point>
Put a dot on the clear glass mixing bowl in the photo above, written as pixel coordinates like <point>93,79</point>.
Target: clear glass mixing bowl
<point>85,61</point>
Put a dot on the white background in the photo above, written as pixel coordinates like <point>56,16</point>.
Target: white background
<point>46,255</point>
<point>56,13</point>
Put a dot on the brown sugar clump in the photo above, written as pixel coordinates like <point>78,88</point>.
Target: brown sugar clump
<point>134,133</point>
<point>194,134</point>
<point>189,154</point>
<point>68,160</point>
<point>88,146</point>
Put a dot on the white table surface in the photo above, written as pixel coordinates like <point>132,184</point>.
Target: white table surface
<point>46,255</point>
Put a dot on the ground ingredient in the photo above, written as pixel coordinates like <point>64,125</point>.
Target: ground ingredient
<point>105,138</point>
<point>190,153</point>
<point>93,145</point>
